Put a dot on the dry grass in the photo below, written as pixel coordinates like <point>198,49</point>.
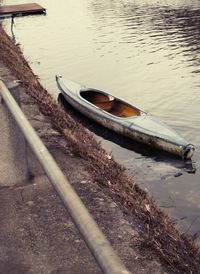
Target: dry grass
<point>177,251</point>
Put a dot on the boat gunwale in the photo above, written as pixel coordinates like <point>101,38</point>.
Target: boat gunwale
<point>83,89</point>
<point>117,118</point>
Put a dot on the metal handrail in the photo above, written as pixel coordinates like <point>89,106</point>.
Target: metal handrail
<point>99,246</point>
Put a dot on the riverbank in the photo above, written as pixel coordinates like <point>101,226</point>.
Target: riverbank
<point>37,235</point>
<point>157,232</point>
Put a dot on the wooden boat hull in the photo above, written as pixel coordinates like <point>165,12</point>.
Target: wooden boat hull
<point>141,127</point>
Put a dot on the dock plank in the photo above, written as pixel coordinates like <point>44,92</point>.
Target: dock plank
<point>22,9</point>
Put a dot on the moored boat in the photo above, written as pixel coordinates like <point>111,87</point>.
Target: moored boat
<point>124,118</point>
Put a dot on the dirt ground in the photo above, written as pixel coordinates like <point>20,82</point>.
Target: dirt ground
<point>144,236</point>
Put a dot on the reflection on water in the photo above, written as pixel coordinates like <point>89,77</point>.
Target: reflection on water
<point>146,52</point>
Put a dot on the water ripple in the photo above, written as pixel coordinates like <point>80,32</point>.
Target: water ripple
<point>145,51</point>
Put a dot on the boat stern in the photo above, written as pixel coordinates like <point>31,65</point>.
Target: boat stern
<point>188,151</point>
<point>155,133</point>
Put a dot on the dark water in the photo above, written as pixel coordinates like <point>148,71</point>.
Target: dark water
<point>146,52</point>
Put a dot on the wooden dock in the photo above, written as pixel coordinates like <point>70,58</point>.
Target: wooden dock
<point>21,10</point>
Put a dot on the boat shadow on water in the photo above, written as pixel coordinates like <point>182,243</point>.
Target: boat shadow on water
<point>125,142</point>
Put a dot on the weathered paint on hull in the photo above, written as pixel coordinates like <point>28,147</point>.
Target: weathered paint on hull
<point>123,126</point>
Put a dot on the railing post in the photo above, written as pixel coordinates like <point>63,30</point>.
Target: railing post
<point>13,161</point>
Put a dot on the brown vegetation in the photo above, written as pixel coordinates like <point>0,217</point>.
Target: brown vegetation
<point>175,249</point>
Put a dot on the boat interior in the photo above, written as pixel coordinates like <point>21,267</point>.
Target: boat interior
<point>110,104</point>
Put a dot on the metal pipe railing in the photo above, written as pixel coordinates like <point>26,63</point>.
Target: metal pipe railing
<point>99,246</point>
